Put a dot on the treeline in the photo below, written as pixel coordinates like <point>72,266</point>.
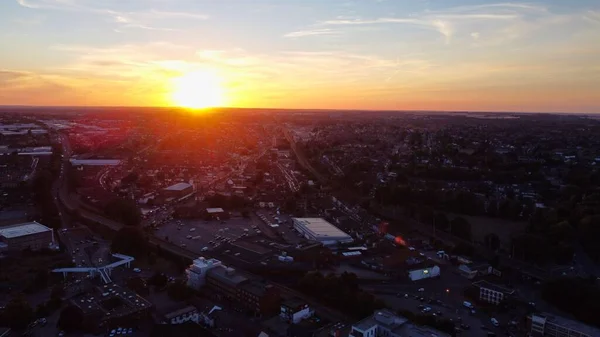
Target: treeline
<point>578,297</point>
<point>340,292</point>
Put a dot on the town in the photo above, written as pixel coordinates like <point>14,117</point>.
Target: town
<point>250,222</point>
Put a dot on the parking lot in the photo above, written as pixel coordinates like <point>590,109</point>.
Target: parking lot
<point>201,235</point>
<point>278,224</point>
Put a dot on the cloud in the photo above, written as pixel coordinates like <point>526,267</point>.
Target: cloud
<point>452,21</point>
<point>144,19</point>
<point>312,32</point>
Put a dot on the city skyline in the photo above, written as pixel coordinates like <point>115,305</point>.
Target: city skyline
<point>371,54</point>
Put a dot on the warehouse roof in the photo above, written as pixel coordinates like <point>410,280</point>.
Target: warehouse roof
<point>95,162</point>
<point>178,187</point>
<point>214,210</point>
<point>320,228</point>
<point>23,230</point>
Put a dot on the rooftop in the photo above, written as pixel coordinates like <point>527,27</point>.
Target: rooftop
<point>492,286</point>
<point>95,162</point>
<point>214,210</point>
<point>320,228</point>
<point>24,229</point>
<point>178,187</point>
<point>227,275</point>
<point>397,324</point>
<point>567,323</point>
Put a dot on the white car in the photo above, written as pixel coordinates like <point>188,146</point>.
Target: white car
<point>421,290</point>
<point>137,270</point>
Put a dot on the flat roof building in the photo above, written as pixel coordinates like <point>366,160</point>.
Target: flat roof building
<point>544,324</point>
<point>318,229</point>
<point>95,162</point>
<point>178,187</point>
<point>29,235</point>
<point>386,323</point>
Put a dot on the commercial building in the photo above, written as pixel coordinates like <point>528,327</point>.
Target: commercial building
<point>260,298</point>
<point>215,212</point>
<point>253,295</point>
<point>423,273</point>
<point>543,324</point>
<point>95,162</point>
<point>317,229</point>
<point>30,235</point>
<point>386,323</point>
<point>492,293</point>
<point>294,310</point>
<point>178,190</point>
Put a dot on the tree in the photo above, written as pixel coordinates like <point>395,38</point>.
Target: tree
<point>158,280</point>
<point>179,291</point>
<point>130,241</point>
<point>138,285</point>
<point>58,292</point>
<point>124,210</point>
<point>17,314</point>
<point>71,319</point>
<point>461,227</point>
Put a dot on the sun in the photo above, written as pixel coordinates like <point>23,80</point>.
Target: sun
<point>197,90</point>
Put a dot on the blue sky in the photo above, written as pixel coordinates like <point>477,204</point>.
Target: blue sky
<point>367,54</point>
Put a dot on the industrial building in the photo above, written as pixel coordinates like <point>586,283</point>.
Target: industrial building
<point>492,293</point>
<point>386,323</point>
<point>178,190</point>
<point>256,296</point>
<point>317,229</point>
<point>294,310</point>
<point>543,324</point>
<point>30,235</point>
<point>423,273</point>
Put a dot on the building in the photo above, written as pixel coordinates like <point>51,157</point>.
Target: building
<point>183,315</point>
<point>492,293</point>
<point>386,323</point>
<point>196,273</point>
<point>178,190</point>
<point>294,310</point>
<point>260,298</point>
<point>95,162</point>
<point>215,212</point>
<point>255,296</point>
<point>317,229</point>
<point>30,235</point>
<point>225,281</point>
<point>543,324</point>
<point>110,305</point>
<point>423,273</point>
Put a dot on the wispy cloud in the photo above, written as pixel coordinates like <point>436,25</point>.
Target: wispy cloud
<point>145,19</point>
<point>312,32</point>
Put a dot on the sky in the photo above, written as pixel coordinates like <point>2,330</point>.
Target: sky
<point>476,55</point>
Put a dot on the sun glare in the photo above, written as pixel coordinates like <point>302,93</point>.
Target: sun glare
<point>197,90</point>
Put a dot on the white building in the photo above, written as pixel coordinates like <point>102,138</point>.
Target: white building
<point>492,293</point>
<point>30,235</point>
<point>423,273</point>
<point>317,229</point>
<point>294,310</point>
<point>384,323</point>
<point>196,273</point>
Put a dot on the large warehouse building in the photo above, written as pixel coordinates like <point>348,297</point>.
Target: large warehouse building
<point>317,229</point>
<point>30,235</point>
<point>178,190</point>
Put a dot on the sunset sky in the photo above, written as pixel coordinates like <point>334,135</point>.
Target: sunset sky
<point>330,54</point>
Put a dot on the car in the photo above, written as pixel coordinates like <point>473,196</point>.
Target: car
<point>465,326</point>
<point>204,249</point>
<point>130,331</point>
<point>494,321</point>
<point>137,270</point>
<point>183,245</point>
<point>421,290</point>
